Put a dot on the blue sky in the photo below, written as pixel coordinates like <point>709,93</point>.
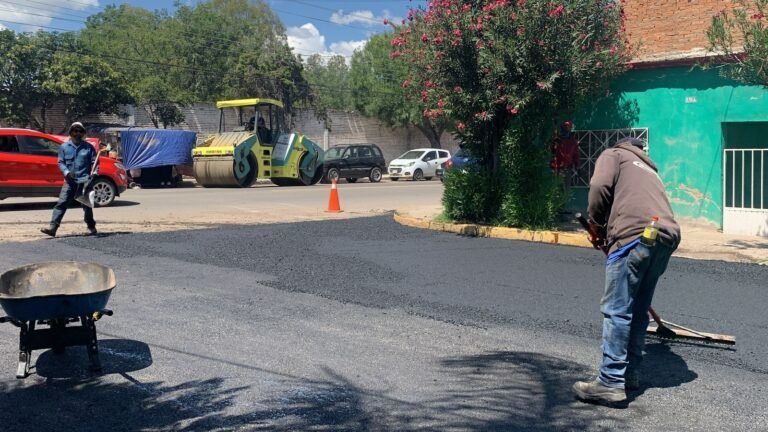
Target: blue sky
<point>313,26</point>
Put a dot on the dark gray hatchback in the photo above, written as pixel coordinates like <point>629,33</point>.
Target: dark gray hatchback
<point>354,161</point>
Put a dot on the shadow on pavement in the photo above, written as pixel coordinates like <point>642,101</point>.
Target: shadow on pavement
<point>48,205</point>
<point>744,244</point>
<point>501,391</point>
<point>117,356</point>
<point>662,368</point>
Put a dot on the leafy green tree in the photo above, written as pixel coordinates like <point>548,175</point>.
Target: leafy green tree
<point>741,36</point>
<point>329,81</point>
<point>25,61</point>
<point>86,84</point>
<point>506,71</point>
<point>381,89</point>
<point>141,47</point>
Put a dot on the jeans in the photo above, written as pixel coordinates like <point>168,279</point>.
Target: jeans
<point>629,285</point>
<point>67,196</point>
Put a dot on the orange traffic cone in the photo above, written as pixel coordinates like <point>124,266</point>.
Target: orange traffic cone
<point>333,202</point>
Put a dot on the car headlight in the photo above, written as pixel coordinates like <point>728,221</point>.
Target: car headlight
<point>118,165</point>
<point>411,164</point>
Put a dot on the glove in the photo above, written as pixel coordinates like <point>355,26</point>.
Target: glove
<point>70,176</point>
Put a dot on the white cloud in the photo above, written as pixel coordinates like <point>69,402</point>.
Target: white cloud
<point>307,40</point>
<point>347,48</point>
<point>31,13</point>
<point>365,17</point>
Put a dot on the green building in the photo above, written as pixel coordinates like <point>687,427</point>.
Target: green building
<point>708,136</point>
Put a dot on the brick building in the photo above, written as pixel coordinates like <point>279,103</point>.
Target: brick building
<point>705,132</point>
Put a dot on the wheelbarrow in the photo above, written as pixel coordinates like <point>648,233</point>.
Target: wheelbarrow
<point>55,295</point>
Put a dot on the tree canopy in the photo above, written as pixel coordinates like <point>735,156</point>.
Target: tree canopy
<point>740,37</point>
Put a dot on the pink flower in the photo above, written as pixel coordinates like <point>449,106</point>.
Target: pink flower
<point>460,126</point>
<point>395,54</point>
<point>406,84</point>
<point>599,64</point>
<point>512,109</point>
<point>457,89</point>
<point>542,85</point>
<point>556,12</point>
<point>386,21</point>
<point>521,3</point>
<point>440,103</point>
<point>424,38</point>
<point>482,115</point>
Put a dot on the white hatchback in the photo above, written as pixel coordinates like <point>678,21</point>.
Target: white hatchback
<point>418,164</point>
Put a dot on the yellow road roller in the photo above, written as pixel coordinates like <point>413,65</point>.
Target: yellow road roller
<point>259,148</point>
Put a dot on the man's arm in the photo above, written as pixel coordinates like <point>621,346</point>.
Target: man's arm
<point>601,187</point>
<point>62,165</point>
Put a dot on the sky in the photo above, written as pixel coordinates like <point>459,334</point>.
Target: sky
<point>325,27</point>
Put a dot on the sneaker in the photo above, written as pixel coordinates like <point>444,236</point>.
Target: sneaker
<point>632,380</point>
<point>49,231</point>
<point>595,391</point>
<point>92,231</point>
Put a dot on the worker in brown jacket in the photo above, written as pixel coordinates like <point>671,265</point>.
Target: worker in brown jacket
<point>629,210</point>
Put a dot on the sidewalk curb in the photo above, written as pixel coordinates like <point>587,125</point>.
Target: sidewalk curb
<point>473,230</point>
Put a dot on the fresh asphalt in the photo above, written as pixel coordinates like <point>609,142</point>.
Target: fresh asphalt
<point>366,325</point>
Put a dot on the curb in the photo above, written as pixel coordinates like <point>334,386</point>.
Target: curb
<point>473,230</point>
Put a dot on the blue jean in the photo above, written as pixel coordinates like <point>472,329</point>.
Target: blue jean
<point>629,286</point>
<point>67,196</point>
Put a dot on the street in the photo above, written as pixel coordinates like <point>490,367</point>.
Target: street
<point>362,324</point>
<point>140,210</point>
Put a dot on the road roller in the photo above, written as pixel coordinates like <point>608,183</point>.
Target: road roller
<point>259,148</point>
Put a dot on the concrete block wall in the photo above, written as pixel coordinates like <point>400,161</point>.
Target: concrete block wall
<point>671,28</point>
<point>344,127</point>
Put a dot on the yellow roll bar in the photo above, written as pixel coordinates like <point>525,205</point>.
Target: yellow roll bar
<point>247,102</point>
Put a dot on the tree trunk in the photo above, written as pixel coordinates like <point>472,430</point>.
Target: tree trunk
<point>433,134</point>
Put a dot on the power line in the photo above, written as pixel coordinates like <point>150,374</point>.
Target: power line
<point>363,17</point>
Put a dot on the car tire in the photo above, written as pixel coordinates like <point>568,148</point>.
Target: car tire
<point>331,174</point>
<point>375,175</point>
<point>394,178</point>
<point>351,179</point>
<point>106,192</point>
<point>418,175</point>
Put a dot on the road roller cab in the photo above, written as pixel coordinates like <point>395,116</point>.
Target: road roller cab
<point>256,144</point>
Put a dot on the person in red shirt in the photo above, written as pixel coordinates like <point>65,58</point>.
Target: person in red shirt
<point>565,151</point>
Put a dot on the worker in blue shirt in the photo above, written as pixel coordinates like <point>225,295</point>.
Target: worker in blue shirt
<point>76,159</point>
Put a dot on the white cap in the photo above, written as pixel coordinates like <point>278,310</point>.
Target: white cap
<point>76,124</point>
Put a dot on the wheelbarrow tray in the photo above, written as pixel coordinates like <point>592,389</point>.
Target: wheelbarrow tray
<point>56,290</point>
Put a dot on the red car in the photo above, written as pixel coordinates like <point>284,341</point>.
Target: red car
<point>29,168</point>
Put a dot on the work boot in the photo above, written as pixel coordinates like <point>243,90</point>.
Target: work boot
<point>51,231</point>
<point>595,391</point>
<point>92,231</point>
<point>632,380</point>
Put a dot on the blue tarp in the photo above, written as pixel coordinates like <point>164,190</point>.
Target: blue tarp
<point>147,148</point>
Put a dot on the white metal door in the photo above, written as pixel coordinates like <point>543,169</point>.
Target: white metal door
<point>745,191</point>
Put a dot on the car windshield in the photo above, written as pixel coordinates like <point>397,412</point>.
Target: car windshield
<point>413,154</point>
<point>334,152</point>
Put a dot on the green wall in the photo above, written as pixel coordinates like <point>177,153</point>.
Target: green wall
<point>683,109</point>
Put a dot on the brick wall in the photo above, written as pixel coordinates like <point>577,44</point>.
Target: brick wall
<point>671,29</point>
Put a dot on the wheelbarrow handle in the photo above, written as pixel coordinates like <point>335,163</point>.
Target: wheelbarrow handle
<point>98,314</point>
<point>3,320</point>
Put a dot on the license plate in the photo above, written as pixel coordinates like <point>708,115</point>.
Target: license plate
<point>396,171</point>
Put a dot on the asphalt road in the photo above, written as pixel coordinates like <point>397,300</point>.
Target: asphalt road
<point>366,325</point>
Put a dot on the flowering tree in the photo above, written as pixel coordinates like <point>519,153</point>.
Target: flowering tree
<point>504,72</point>
<point>742,37</point>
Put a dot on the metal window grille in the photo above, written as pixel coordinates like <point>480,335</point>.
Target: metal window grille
<point>745,179</point>
<point>592,143</point>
